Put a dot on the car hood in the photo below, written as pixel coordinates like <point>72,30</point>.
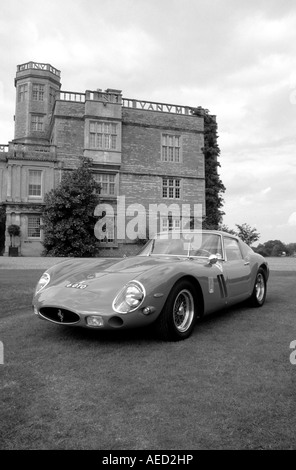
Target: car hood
<point>105,274</point>
<point>103,280</point>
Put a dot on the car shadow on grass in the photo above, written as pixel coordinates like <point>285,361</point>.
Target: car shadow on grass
<point>104,336</point>
<point>141,335</point>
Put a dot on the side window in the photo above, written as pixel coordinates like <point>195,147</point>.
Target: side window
<point>35,183</point>
<point>34,226</point>
<point>171,148</point>
<point>232,249</point>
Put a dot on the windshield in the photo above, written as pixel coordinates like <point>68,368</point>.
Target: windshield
<point>189,244</point>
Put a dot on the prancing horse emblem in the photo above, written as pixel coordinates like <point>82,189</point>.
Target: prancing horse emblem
<point>60,315</point>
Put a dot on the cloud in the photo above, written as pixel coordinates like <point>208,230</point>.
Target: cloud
<point>292,219</point>
<point>265,191</point>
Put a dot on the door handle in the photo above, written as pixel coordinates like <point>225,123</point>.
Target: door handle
<point>246,263</point>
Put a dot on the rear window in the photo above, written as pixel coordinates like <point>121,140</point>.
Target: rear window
<point>232,249</point>
<point>246,249</point>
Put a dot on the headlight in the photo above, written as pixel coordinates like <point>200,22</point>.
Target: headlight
<point>129,298</point>
<point>43,281</point>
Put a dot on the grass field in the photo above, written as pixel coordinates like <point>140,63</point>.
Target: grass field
<point>229,386</point>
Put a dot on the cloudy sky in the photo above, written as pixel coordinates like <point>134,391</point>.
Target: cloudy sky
<point>236,58</point>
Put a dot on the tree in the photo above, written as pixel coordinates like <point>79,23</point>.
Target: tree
<point>214,188</point>
<point>225,228</point>
<point>68,217</point>
<point>291,249</point>
<point>274,247</point>
<point>279,249</point>
<point>247,234</point>
<point>260,249</point>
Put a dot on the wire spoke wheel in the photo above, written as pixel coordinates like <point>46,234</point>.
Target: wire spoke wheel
<point>178,317</point>
<point>260,287</point>
<point>183,310</point>
<point>258,296</point>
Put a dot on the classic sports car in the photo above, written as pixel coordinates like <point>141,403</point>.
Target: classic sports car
<point>176,278</point>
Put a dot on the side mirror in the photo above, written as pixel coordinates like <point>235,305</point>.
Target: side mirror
<point>213,259</point>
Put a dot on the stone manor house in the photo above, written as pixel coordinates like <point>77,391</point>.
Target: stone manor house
<point>151,153</point>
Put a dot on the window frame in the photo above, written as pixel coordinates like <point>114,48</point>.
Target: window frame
<point>35,196</point>
<point>169,188</point>
<point>103,135</point>
<point>172,223</point>
<point>99,177</point>
<point>37,122</point>
<point>38,92</point>
<point>170,152</point>
<point>30,236</point>
<point>22,92</point>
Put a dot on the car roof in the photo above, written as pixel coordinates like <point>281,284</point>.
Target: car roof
<point>193,231</point>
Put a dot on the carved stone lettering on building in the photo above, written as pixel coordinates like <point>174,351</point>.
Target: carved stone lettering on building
<point>159,107</point>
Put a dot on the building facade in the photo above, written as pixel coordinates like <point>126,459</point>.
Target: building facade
<point>149,153</point>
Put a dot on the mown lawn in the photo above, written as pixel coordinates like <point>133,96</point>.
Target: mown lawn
<point>230,386</point>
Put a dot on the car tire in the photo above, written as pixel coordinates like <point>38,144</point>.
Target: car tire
<point>258,296</point>
<point>177,319</point>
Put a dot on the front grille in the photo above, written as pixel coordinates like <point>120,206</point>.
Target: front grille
<point>59,315</point>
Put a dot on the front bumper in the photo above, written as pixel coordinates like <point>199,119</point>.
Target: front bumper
<point>84,309</point>
<point>62,316</point>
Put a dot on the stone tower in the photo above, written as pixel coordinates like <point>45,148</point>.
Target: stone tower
<point>36,87</point>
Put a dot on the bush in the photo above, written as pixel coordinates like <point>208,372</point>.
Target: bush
<point>68,217</point>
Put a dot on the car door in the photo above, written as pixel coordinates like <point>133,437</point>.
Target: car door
<point>236,270</point>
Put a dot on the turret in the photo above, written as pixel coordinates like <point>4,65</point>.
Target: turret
<point>36,86</point>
